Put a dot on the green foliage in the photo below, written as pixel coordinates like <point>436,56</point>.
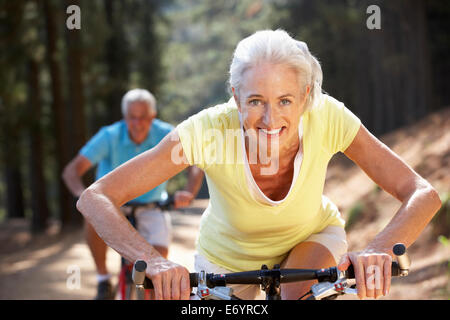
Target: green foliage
<point>376,189</point>
<point>354,214</point>
<point>200,45</point>
<point>443,240</point>
<point>441,220</point>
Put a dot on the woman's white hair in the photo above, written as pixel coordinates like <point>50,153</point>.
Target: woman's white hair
<point>140,95</point>
<point>278,47</point>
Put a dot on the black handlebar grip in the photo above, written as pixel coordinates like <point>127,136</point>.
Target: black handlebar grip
<point>402,257</point>
<point>139,271</point>
<point>193,279</point>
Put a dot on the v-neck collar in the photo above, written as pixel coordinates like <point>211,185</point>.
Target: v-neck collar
<point>249,182</point>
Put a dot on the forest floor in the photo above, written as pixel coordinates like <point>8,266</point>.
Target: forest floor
<point>42,267</point>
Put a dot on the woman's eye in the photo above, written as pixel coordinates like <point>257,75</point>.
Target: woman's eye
<point>285,102</point>
<point>254,102</point>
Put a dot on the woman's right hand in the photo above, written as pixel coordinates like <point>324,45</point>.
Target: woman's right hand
<point>170,280</point>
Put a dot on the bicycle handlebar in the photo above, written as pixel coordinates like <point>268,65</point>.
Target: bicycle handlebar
<point>284,275</point>
<point>257,277</point>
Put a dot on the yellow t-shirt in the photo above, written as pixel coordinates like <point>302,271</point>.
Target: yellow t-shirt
<point>239,233</point>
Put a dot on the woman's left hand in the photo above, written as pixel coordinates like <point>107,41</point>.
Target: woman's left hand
<point>372,272</point>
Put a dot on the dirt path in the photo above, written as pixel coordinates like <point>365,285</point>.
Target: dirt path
<point>44,268</point>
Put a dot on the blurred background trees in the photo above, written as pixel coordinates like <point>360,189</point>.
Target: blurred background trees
<point>59,86</point>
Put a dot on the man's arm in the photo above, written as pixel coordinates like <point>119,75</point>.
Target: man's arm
<point>195,178</point>
<point>73,172</point>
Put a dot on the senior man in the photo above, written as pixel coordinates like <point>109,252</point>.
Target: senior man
<point>113,145</point>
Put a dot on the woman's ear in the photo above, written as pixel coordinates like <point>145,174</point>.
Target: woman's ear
<point>307,90</point>
<point>236,99</point>
<point>307,93</point>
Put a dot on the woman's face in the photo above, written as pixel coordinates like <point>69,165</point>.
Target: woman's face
<point>271,102</point>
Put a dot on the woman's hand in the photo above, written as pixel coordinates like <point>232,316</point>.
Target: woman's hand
<point>372,272</point>
<point>170,280</point>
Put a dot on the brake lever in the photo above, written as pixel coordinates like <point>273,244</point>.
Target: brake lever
<point>325,289</point>
<point>350,290</point>
<point>216,293</point>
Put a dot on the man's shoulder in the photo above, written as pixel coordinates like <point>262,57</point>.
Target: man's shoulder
<point>114,130</point>
<point>160,124</point>
<point>100,144</point>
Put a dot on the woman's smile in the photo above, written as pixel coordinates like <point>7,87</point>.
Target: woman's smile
<point>271,133</point>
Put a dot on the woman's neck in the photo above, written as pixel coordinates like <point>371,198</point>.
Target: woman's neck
<point>277,157</point>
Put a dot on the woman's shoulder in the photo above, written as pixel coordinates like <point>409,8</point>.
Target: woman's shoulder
<point>325,105</point>
<point>338,125</point>
<point>327,111</point>
<point>224,115</point>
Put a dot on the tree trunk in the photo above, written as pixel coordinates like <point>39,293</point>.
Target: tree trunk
<point>58,110</point>
<point>11,112</point>
<point>39,206</point>
<point>76,92</point>
<point>116,57</point>
<point>424,57</point>
<point>76,100</point>
<point>14,194</point>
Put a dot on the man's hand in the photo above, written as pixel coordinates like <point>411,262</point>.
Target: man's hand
<point>183,199</point>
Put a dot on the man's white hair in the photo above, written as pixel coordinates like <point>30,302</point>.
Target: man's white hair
<point>140,95</point>
<point>278,47</point>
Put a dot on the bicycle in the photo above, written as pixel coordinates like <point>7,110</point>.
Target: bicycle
<point>331,281</point>
<point>125,286</point>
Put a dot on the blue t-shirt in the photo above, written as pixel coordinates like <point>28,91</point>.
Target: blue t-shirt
<point>112,146</point>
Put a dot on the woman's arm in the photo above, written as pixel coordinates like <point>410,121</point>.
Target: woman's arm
<point>420,201</point>
<point>101,201</point>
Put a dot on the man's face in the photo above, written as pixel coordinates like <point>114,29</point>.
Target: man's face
<point>139,121</point>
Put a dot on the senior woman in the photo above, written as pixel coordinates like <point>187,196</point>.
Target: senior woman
<point>265,154</point>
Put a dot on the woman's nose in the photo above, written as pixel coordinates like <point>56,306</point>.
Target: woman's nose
<point>269,118</point>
